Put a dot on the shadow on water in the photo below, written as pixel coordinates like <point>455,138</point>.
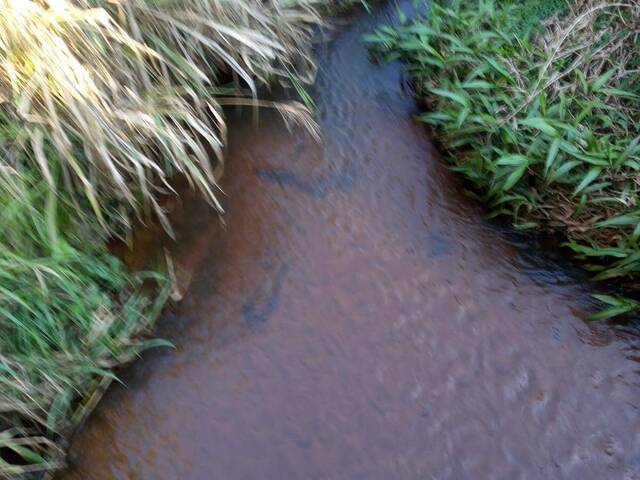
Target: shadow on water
<point>356,318</point>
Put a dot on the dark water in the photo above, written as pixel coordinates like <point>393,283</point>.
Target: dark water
<point>358,320</point>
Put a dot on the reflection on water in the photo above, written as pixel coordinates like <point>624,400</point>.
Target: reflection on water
<point>358,319</point>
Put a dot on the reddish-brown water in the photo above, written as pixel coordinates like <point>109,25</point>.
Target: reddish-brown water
<point>358,320</point>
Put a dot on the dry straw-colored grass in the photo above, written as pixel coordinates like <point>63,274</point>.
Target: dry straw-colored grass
<point>115,97</point>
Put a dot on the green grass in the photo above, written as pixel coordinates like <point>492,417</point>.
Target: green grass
<point>534,12</point>
<point>70,313</point>
<point>541,121</point>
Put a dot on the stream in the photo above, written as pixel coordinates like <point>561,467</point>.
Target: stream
<point>357,318</point>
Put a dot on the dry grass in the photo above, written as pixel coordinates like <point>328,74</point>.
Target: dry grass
<point>127,93</point>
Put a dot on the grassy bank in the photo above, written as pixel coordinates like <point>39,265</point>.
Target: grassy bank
<point>101,104</point>
<point>536,105</point>
<point>70,313</point>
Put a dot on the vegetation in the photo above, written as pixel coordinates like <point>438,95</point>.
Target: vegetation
<point>539,117</point>
<point>70,312</point>
<point>534,12</point>
<point>101,104</point>
<point>128,93</point>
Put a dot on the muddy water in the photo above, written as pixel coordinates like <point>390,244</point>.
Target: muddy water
<point>358,320</point>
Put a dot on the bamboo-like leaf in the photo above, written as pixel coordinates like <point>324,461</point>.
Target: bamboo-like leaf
<point>591,175</point>
<point>539,124</point>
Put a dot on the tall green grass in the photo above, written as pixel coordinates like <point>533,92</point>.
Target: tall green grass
<point>69,313</point>
<point>542,121</point>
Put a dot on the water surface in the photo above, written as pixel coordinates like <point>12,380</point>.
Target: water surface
<point>357,319</point>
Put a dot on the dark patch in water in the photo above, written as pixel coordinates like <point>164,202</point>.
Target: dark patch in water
<point>285,178</point>
<point>257,311</point>
<point>318,188</point>
<point>440,245</point>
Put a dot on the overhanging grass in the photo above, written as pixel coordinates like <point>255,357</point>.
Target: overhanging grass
<point>128,93</point>
<point>542,121</point>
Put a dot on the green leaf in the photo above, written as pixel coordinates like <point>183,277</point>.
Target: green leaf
<point>617,306</point>
<point>616,92</point>
<point>541,124</point>
<point>462,117</point>
<point>514,177</point>
<point>631,149</point>
<point>604,78</point>
<point>562,170</point>
<point>551,155</point>
<point>456,97</point>
<point>499,68</point>
<point>609,300</point>
<point>512,160</point>
<point>591,175</point>
<point>619,221</point>
<point>477,85</point>
<point>27,454</point>
<point>583,81</point>
<point>434,118</point>
<point>156,343</point>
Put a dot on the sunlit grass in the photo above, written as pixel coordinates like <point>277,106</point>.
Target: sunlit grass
<point>127,93</point>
